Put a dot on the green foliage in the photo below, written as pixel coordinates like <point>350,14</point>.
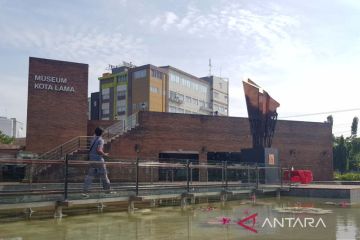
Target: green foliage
<point>340,154</point>
<point>354,126</point>
<point>5,139</point>
<point>347,176</point>
<point>330,120</point>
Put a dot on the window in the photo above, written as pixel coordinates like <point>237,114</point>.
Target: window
<point>105,105</point>
<point>195,101</point>
<point>122,78</point>
<point>180,96</point>
<point>216,95</point>
<point>202,103</point>
<point>121,93</point>
<point>175,78</point>
<point>226,98</point>
<point>121,103</point>
<point>122,87</point>
<point>188,99</point>
<point>180,110</point>
<point>154,89</point>
<point>121,109</point>
<point>172,109</point>
<point>105,93</point>
<point>157,74</point>
<point>172,95</point>
<point>139,74</point>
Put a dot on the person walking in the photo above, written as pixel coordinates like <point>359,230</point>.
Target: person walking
<point>97,165</point>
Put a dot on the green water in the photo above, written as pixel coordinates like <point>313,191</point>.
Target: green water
<point>200,221</point>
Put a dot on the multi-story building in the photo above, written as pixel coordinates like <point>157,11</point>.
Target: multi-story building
<point>187,93</point>
<point>94,110</point>
<point>113,94</point>
<point>11,127</point>
<point>129,89</point>
<point>219,95</point>
<point>147,89</point>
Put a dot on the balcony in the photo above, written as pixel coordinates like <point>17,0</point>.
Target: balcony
<point>176,100</point>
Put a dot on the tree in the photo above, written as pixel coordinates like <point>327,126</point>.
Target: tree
<point>5,139</point>
<point>330,120</point>
<point>340,154</point>
<point>354,127</point>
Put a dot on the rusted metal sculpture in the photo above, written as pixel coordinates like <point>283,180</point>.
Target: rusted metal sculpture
<point>262,114</point>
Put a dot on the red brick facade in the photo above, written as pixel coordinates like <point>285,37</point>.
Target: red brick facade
<point>57,103</point>
<point>301,144</point>
<point>93,124</point>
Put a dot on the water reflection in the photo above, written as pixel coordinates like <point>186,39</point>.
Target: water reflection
<point>198,222</point>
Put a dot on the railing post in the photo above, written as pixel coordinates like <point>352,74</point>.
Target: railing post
<point>151,175</point>
<point>248,174</point>
<point>79,143</point>
<point>187,175</point>
<point>222,174</point>
<point>137,176</point>
<point>257,176</point>
<point>191,174</point>
<point>61,152</point>
<point>289,176</point>
<point>281,177</point>
<point>226,177</point>
<point>66,177</point>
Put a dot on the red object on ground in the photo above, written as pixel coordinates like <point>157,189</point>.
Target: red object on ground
<point>302,176</point>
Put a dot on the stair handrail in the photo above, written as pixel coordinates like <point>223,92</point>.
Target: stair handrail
<point>132,121</point>
<point>74,144</point>
<point>114,130</point>
<point>111,132</point>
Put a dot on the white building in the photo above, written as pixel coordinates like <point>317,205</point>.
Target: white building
<point>190,94</point>
<point>11,127</point>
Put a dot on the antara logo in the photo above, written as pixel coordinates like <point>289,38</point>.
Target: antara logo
<point>249,222</point>
<point>294,222</point>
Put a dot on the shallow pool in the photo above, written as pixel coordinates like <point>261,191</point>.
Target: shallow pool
<point>269,218</point>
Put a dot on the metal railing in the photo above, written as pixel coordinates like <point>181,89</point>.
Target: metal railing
<point>71,146</point>
<point>131,177</point>
<point>82,143</point>
<point>114,130</point>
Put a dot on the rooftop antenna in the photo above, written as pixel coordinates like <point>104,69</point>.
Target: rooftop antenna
<point>209,67</point>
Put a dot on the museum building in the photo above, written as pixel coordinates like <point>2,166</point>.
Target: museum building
<point>58,113</point>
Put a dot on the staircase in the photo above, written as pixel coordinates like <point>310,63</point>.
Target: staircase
<point>81,144</point>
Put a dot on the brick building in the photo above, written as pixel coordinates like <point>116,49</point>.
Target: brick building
<point>57,103</point>
<point>301,144</point>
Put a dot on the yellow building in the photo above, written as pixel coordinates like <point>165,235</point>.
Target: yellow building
<point>129,89</point>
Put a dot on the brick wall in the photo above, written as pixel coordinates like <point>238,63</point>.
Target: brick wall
<point>93,124</point>
<point>301,144</point>
<point>53,116</point>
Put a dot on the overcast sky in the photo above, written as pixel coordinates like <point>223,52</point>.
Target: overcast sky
<point>306,53</point>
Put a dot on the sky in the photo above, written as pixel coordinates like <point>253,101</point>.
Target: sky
<point>306,53</point>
